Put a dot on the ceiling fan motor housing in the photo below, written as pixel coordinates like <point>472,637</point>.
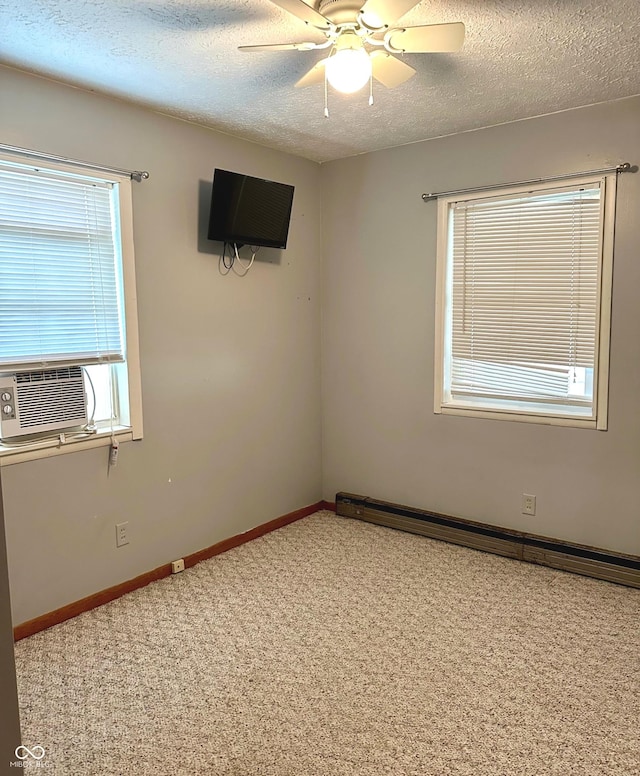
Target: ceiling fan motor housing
<point>340,11</point>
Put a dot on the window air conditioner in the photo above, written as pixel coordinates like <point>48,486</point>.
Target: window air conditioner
<point>47,400</point>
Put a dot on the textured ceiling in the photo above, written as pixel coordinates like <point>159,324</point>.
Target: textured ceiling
<point>521,58</point>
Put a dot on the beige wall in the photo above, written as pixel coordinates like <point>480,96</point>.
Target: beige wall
<point>230,366</point>
<point>380,435</point>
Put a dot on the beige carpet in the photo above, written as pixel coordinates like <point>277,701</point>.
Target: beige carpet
<point>337,647</point>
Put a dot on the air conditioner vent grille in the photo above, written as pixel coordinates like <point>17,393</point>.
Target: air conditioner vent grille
<point>50,403</point>
<point>50,375</point>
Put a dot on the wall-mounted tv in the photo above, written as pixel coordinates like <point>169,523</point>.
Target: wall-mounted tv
<point>249,211</point>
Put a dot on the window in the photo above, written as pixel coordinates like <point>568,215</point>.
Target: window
<point>67,289</point>
<point>523,303</point>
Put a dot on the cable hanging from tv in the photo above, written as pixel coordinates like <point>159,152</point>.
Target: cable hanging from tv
<point>234,258</point>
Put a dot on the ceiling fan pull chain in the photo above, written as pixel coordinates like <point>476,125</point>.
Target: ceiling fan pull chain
<point>326,95</point>
<point>371,89</point>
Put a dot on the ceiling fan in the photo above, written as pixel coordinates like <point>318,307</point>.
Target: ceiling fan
<point>362,42</point>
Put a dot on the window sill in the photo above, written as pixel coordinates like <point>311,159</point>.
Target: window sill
<point>521,417</point>
<point>47,448</point>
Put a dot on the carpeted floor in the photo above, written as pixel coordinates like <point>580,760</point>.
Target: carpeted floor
<point>334,647</point>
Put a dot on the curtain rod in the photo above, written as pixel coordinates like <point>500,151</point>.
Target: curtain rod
<point>136,175</point>
<point>625,167</point>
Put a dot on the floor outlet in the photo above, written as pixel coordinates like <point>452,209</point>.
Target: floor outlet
<point>528,504</point>
<point>177,566</point>
<point>122,534</point>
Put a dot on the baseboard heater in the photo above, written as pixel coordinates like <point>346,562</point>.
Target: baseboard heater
<point>579,559</point>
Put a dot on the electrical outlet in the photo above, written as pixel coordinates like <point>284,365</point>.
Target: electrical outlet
<point>528,504</point>
<point>177,566</point>
<point>122,534</point>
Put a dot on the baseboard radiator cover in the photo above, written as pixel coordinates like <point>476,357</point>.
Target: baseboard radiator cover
<point>578,559</point>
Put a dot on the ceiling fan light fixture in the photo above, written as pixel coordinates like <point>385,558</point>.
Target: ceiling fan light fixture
<point>371,21</point>
<point>349,68</point>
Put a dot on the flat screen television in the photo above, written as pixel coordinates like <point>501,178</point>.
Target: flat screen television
<point>249,211</point>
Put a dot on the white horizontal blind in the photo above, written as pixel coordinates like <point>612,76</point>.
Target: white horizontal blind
<point>60,286</point>
<point>524,295</point>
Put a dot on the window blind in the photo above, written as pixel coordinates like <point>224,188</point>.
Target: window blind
<point>60,285</point>
<point>524,295</point>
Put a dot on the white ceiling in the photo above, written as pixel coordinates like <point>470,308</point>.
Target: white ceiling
<point>521,58</point>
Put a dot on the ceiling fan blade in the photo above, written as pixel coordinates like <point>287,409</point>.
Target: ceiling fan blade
<point>314,76</point>
<point>304,46</point>
<point>428,38</point>
<point>389,70</point>
<point>305,12</point>
<point>386,11</point>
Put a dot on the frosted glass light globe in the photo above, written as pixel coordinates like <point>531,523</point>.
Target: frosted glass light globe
<point>348,69</point>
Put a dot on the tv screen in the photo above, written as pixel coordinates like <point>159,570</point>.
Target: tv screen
<point>249,211</point>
